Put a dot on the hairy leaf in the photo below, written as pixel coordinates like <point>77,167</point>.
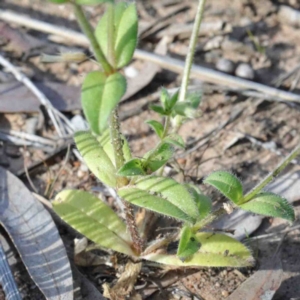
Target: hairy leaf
<point>125,33</point>
<point>95,157</point>
<point>33,232</point>
<point>133,167</point>
<point>93,218</point>
<point>173,100</point>
<point>126,37</point>
<point>159,156</point>
<point>229,185</point>
<point>194,98</point>
<point>175,139</point>
<point>171,190</point>
<point>153,202</point>
<point>269,204</point>
<point>188,244</point>
<point>203,202</point>
<point>164,98</point>
<point>216,250</point>
<point>158,109</point>
<point>100,95</point>
<point>156,126</point>
<point>185,109</point>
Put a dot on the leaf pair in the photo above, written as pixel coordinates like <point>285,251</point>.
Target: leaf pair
<point>167,103</point>
<point>267,204</point>
<point>93,218</point>
<point>96,158</point>
<point>99,96</point>
<point>170,107</point>
<point>154,159</point>
<point>123,36</point>
<point>164,196</point>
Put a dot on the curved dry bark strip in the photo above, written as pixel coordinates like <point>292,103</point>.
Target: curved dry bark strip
<point>36,238</point>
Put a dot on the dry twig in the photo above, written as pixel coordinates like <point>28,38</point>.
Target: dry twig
<point>205,74</point>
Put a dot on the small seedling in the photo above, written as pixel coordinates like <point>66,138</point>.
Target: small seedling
<point>138,181</point>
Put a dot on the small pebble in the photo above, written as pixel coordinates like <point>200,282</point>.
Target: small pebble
<point>289,15</point>
<point>244,71</point>
<point>217,284</point>
<point>225,293</point>
<point>79,123</point>
<point>131,72</point>
<point>225,65</point>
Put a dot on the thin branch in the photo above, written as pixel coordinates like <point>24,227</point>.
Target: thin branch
<point>257,189</point>
<point>89,32</point>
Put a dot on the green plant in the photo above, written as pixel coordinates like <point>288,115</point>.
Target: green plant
<point>139,181</point>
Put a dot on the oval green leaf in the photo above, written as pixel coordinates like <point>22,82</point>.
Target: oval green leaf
<point>99,96</point>
<point>126,36</point>
<point>164,98</point>
<point>159,156</point>
<point>126,28</point>
<point>171,190</point>
<point>175,139</point>
<point>154,203</point>
<point>188,244</point>
<point>156,126</point>
<point>133,167</point>
<point>271,205</point>
<point>158,109</point>
<point>96,158</point>
<point>185,109</point>
<point>226,183</point>
<point>173,100</point>
<point>216,250</point>
<point>93,218</point>
<point>203,202</point>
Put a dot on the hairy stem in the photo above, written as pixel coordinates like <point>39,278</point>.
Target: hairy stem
<point>273,174</point>
<point>209,219</point>
<point>138,244</point>
<point>89,32</point>
<point>189,59</point>
<point>117,143</point>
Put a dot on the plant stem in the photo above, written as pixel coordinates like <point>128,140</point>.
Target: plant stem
<point>209,219</point>
<point>166,127</point>
<point>111,35</point>
<point>89,32</point>
<point>117,143</point>
<point>138,244</point>
<point>189,59</point>
<point>273,174</point>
